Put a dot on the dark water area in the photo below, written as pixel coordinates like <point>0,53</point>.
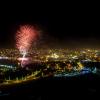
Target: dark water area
<point>78,87</point>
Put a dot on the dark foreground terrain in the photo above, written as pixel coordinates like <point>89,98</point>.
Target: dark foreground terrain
<point>78,87</point>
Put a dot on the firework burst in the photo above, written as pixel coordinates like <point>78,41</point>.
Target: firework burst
<point>24,38</point>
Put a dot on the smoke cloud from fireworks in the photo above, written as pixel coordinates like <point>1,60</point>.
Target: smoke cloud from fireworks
<point>25,36</point>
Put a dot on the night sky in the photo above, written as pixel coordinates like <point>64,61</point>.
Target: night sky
<point>62,25</point>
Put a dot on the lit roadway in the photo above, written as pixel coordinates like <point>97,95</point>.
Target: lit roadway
<point>26,78</point>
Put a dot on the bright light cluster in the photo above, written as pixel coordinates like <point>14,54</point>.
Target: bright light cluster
<point>4,57</point>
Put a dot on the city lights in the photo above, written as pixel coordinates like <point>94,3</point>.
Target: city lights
<point>50,62</point>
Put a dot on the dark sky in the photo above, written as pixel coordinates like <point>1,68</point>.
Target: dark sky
<point>70,25</point>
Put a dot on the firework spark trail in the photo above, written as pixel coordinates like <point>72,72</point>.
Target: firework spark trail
<point>24,38</point>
